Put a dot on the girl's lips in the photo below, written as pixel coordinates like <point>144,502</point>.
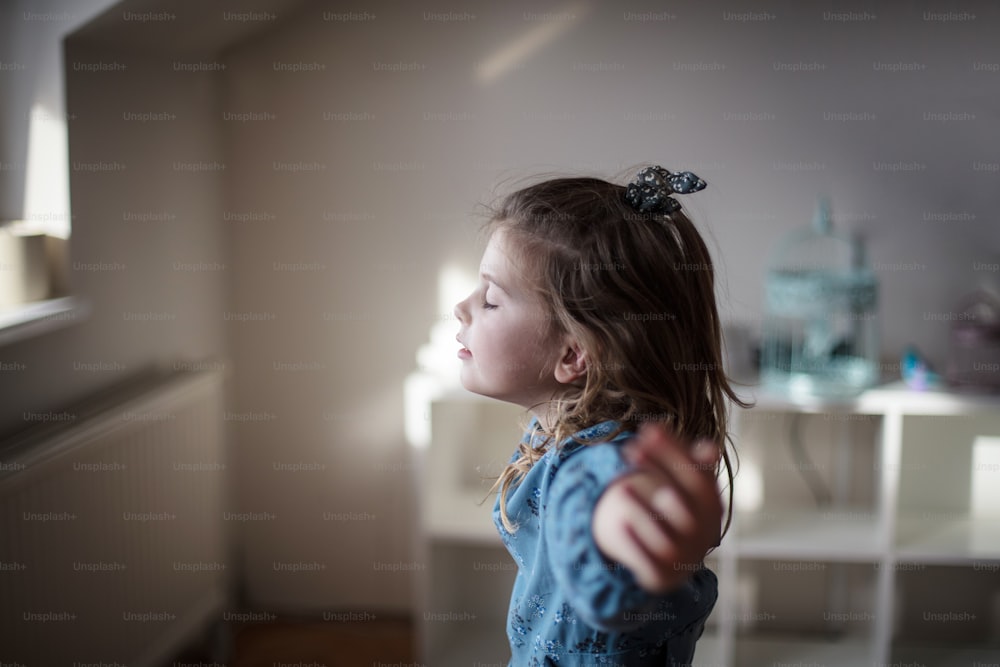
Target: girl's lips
<point>464,352</point>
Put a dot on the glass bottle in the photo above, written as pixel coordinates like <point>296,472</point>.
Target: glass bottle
<point>820,333</point>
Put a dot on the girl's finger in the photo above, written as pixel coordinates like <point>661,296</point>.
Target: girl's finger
<point>672,509</point>
<point>650,520</point>
<point>632,527</point>
<point>671,458</point>
<point>682,506</point>
<point>645,567</point>
<point>707,452</point>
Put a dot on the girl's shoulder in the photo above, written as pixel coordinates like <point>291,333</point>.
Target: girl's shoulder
<point>607,432</point>
<point>598,444</point>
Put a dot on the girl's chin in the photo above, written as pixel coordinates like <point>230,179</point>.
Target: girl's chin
<point>472,386</point>
<point>476,391</point>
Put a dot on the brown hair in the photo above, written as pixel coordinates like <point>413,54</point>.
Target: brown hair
<point>637,291</point>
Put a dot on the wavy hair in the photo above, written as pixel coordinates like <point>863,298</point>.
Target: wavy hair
<point>637,291</point>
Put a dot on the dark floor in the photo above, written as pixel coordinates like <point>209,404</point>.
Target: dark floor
<point>325,643</point>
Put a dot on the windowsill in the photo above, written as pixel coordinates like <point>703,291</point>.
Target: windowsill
<point>29,320</point>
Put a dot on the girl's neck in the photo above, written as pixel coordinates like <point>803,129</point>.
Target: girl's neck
<point>546,415</point>
<point>542,421</point>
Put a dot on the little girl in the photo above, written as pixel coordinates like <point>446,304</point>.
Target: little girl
<point>595,310</point>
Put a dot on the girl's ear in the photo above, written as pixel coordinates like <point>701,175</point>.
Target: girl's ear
<point>572,365</point>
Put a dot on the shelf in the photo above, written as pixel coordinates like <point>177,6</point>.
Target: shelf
<point>891,397</point>
<point>755,651</point>
<point>959,541</point>
<point>935,403</point>
<point>29,320</point>
<point>833,536</point>
<point>870,402</point>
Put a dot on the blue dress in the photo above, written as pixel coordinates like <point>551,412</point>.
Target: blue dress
<point>570,605</point>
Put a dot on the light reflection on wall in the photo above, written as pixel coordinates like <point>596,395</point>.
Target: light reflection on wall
<point>748,494</point>
<point>46,191</point>
<point>437,361</point>
<point>515,53</point>
<point>984,491</point>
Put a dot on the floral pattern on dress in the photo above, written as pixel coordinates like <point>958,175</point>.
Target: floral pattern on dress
<point>537,606</point>
<point>565,615</point>
<point>571,607</point>
<point>532,502</point>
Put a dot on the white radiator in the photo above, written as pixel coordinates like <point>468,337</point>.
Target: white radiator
<point>112,532</point>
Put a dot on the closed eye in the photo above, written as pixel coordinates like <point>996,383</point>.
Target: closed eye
<point>486,302</point>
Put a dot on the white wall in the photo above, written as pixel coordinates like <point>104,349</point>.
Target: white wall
<point>126,269</point>
<point>31,73</point>
<point>341,263</point>
<point>402,157</point>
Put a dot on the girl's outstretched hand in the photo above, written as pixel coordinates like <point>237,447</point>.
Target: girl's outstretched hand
<point>660,519</point>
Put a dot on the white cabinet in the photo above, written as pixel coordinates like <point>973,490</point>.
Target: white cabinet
<point>462,442</point>
<point>866,532</point>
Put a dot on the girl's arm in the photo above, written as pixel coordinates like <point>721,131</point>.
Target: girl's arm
<point>661,519</point>
<point>602,593</point>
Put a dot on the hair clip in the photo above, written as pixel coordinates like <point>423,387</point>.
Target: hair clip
<point>650,191</point>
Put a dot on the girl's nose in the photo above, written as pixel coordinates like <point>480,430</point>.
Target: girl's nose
<point>461,311</point>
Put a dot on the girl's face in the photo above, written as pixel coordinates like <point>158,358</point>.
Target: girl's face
<point>509,352</point>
